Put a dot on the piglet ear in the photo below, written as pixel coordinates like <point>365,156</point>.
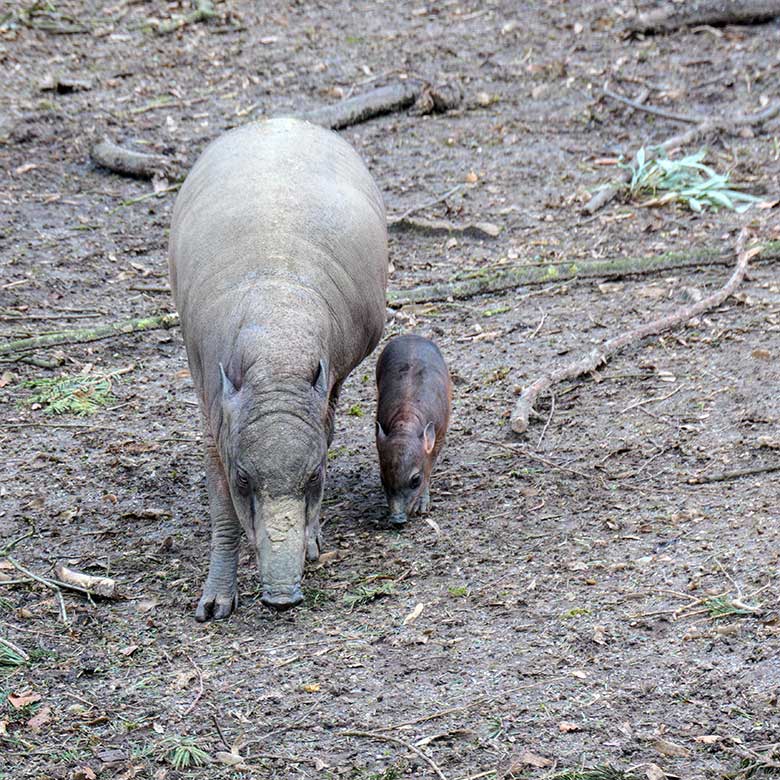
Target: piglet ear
<point>228,388</point>
<point>320,383</point>
<point>429,438</point>
<point>380,433</point>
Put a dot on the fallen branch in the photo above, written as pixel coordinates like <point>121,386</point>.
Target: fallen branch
<point>86,335</point>
<point>499,281</point>
<point>704,12</point>
<point>98,586</point>
<point>736,474</point>
<point>127,162</point>
<point>383,100</point>
<point>599,355</point>
<point>485,283</point>
<point>704,127</point>
<point>440,226</point>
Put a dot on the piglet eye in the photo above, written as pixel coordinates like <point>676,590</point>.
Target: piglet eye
<point>415,482</point>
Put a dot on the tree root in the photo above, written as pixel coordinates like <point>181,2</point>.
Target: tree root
<point>599,355</point>
<point>385,100</point>
<point>127,162</point>
<point>495,282</point>
<point>672,17</point>
<point>705,126</point>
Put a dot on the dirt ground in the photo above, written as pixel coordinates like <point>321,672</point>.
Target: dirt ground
<point>550,637</point>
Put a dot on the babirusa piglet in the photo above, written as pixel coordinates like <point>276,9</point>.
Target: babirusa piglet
<point>413,413</point>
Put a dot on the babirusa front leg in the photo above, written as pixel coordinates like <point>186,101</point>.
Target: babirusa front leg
<point>220,593</point>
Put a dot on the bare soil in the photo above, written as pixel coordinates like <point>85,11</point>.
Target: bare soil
<point>550,636</point>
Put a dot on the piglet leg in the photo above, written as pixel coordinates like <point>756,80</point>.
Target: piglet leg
<point>220,593</point>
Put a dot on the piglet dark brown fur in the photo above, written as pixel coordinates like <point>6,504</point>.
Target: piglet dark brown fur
<point>413,412</point>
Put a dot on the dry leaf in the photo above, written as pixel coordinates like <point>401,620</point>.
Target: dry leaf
<point>413,615</point>
<point>6,378</point>
<point>328,557</point>
<point>566,726</point>
<point>707,739</point>
<point>579,674</point>
<point>654,772</point>
<point>472,177</point>
<point>40,719</point>
<point>146,605</point>
<point>311,687</point>
<point>230,759</point>
<point>84,773</point>
<point>761,354</point>
<point>19,700</point>
<point>666,748</point>
<point>129,650</point>
<point>183,679</point>
<point>531,759</point>
<point>433,524</point>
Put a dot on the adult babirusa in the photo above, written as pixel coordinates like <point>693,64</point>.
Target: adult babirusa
<point>278,265</point>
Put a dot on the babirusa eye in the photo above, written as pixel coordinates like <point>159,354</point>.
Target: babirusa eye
<point>242,481</point>
<point>415,481</point>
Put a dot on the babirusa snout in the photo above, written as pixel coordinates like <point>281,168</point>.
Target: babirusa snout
<point>281,550</point>
<point>397,511</point>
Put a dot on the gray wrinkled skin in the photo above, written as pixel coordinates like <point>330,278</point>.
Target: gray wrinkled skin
<point>278,265</point>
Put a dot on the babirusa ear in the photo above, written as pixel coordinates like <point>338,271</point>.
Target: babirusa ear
<point>429,438</point>
<point>321,381</point>
<point>228,388</point>
<point>380,433</point>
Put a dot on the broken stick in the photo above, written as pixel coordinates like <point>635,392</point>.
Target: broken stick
<point>384,100</point>
<point>673,16</point>
<point>596,357</point>
<point>97,586</point>
<point>128,162</point>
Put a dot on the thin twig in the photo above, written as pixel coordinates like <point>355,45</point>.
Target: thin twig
<point>477,702</point>
<point>425,204</point>
<point>549,420</point>
<point>691,120</point>
<point>539,458</point>
<point>48,583</point>
<point>199,695</point>
<point>636,404</point>
<point>539,326</point>
<point>408,745</point>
